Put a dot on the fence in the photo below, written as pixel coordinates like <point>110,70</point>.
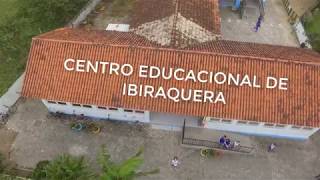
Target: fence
<point>198,143</point>
<point>293,16</point>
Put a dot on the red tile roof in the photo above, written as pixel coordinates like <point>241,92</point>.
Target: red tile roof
<point>299,105</point>
<point>204,13</point>
<point>274,52</point>
<point>96,37</point>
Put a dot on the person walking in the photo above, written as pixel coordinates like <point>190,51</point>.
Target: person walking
<point>258,24</point>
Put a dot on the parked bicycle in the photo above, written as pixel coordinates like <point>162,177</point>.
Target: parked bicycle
<point>86,126</point>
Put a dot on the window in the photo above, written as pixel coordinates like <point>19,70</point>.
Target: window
<point>242,122</point>
<point>226,121</point>
<point>141,112</point>
<point>253,123</point>
<point>87,106</point>
<point>268,125</point>
<point>128,110</point>
<point>214,119</point>
<point>113,109</point>
<point>52,102</point>
<point>62,103</point>
<point>100,107</point>
<point>307,128</point>
<point>280,125</point>
<point>76,105</point>
<point>296,127</point>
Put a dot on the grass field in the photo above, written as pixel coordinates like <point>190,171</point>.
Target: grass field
<point>312,27</point>
<point>7,8</point>
<point>20,20</point>
<point>10,70</point>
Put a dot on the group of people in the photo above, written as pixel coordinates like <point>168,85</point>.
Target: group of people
<point>226,142</point>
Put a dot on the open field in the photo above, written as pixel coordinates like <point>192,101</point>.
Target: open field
<point>10,69</point>
<point>7,8</point>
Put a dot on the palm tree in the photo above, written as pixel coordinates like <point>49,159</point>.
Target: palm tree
<point>126,170</point>
<point>64,167</point>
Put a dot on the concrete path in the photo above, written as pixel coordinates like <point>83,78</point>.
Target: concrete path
<point>11,96</point>
<point>275,28</point>
<point>42,137</point>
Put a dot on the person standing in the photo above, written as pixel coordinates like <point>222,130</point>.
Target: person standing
<point>271,147</point>
<point>175,162</point>
<point>222,140</point>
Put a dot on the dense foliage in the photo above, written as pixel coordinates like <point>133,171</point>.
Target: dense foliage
<point>30,17</point>
<point>64,167</point>
<point>68,167</point>
<point>126,170</point>
<point>312,26</point>
<point>39,172</point>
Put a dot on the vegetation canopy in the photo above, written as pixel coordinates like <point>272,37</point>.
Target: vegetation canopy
<point>20,20</point>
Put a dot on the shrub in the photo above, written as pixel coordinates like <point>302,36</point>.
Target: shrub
<point>2,166</point>
<point>126,170</point>
<point>312,26</point>
<point>39,172</point>
<point>64,167</point>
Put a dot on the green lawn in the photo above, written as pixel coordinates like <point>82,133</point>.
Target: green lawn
<point>20,20</point>
<point>7,8</point>
<point>10,70</point>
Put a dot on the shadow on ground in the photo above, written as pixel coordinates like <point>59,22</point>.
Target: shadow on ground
<point>43,137</point>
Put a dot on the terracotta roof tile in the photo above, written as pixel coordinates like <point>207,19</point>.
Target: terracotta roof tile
<point>258,50</point>
<point>299,105</point>
<point>181,18</point>
<point>96,37</point>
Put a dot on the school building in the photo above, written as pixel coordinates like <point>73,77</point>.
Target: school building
<point>153,77</point>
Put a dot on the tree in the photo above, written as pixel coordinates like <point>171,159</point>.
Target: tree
<point>126,170</point>
<point>64,167</point>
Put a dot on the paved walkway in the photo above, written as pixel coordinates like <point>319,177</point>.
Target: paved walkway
<point>275,28</point>
<point>43,137</point>
<point>214,135</point>
<point>11,96</point>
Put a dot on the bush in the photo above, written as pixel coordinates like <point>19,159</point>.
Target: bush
<point>312,26</point>
<point>2,166</point>
<point>64,167</point>
<point>126,170</point>
<point>39,172</point>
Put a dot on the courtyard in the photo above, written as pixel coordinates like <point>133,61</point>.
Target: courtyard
<point>32,134</point>
<point>275,28</point>
<point>40,136</point>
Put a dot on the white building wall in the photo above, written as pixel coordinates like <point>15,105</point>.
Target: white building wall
<point>261,129</point>
<point>98,112</point>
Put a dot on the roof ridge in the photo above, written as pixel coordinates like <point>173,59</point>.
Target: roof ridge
<point>282,60</point>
